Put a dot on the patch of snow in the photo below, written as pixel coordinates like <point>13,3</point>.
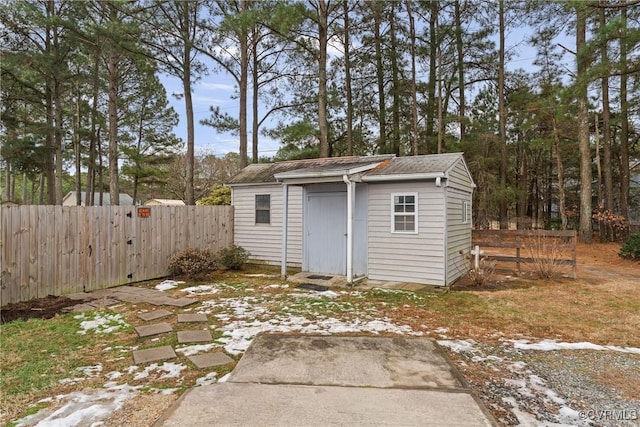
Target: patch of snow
<point>195,349</point>
<point>202,290</point>
<point>167,284</point>
<point>459,346</point>
<point>83,408</point>
<point>208,379</point>
<point>276,286</point>
<point>113,375</point>
<point>551,345</point>
<point>90,371</point>
<point>102,323</point>
<point>269,276</point>
<point>224,379</point>
<point>171,370</point>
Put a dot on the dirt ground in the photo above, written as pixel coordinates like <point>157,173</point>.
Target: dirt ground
<point>595,261</point>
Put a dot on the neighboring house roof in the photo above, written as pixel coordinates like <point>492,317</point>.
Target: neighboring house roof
<point>125,199</point>
<point>165,202</point>
<point>372,168</point>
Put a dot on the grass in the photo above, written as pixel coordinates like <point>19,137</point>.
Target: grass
<point>36,354</point>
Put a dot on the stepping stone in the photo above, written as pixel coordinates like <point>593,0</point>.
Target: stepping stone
<point>154,315</point>
<point>210,359</point>
<point>154,354</point>
<point>192,317</point>
<point>194,336</point>
<point>103,302</point>
<point>155,329</point>
<point>181,302</point>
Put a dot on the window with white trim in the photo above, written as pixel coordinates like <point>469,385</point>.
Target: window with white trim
<point>263,208</point>
<point>466,212</point>
<point>404,213</point>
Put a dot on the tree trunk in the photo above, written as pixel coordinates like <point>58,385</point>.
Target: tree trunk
<point>112,69</point>
<point>255,106</point>
<point>347,78</point>
<point>49,106</point>
<point>586,229</point>
<point>78,147</point>
<point>624,121</point>
<point>459,48</point>
<point>606,121</point>
<point>382,111</point>
<point>113,76</point>
<point>188,102</point>
<point>433,64</point>
<point>502,113</point>
<point>244,79</point>
<point>323,128</point>
<point>601,204</point>
<point>414,89</point>
<point>395,113</point>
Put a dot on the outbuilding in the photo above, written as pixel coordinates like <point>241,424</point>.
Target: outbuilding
<point>383,217</point>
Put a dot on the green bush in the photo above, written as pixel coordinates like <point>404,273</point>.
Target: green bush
<point>631,248</point>
<point>233,257</point>
<point>192,262</point>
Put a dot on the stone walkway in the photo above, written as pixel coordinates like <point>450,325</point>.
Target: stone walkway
<point>156,322</point>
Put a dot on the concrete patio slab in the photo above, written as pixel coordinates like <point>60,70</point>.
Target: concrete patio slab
<point>155,329</point>
<point>246,404</point>
<point>154,315</point>
<point>194,336</point>
<point>153,354</point>
<point>192,317</point>
<point>209,360</point>
<point>347,361</point>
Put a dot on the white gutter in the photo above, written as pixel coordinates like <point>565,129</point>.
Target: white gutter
<point>350,194</point>
<point>403,177</point>
<point>285,226</point>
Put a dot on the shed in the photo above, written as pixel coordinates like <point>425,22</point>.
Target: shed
<point>71,200</point>
<point>164,202</point>
<point>382,217</point>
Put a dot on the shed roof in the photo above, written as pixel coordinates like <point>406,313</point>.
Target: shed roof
<point>373,168</point>
<point>260,173</point>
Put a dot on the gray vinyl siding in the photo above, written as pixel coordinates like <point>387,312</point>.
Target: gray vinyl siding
<point>415,258</point>
<point>458,234</point>
<point>459,177</point>
<point>264,241</point>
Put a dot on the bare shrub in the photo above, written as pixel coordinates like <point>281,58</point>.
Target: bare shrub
<point>481,275</point>
<point>192,262</point>
<point>547,255</point>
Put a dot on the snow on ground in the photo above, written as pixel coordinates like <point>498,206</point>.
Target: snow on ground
<point>83,408</point>
<point>240,319</point>
<point>550,345</point>
<point>168,284</point>
<point>101,323</point>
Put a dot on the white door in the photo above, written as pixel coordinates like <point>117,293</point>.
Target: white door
<point>326,228</point>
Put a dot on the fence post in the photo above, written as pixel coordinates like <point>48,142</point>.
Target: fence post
<point>574,272</point>
<point>518,244</point>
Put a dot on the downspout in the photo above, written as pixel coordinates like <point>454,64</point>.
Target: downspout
<point>285,226</point>
<point>446,230</point>
<point>350,193</point>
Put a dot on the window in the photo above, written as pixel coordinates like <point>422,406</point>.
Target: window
<point>404,213</point>
<point>263,208</point>
<point>466,212</point>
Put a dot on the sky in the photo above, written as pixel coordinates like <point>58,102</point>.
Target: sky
<point>218,89</point>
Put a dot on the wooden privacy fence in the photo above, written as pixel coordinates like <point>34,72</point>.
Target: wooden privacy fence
<point>528,247</point>
<point>56,250</point>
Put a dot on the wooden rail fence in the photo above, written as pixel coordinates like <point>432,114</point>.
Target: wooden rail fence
<point>523,246</point>
<point>57,250</point>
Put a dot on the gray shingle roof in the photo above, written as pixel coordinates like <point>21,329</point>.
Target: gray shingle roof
<point>431,163</point>
<point>260,173</point>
